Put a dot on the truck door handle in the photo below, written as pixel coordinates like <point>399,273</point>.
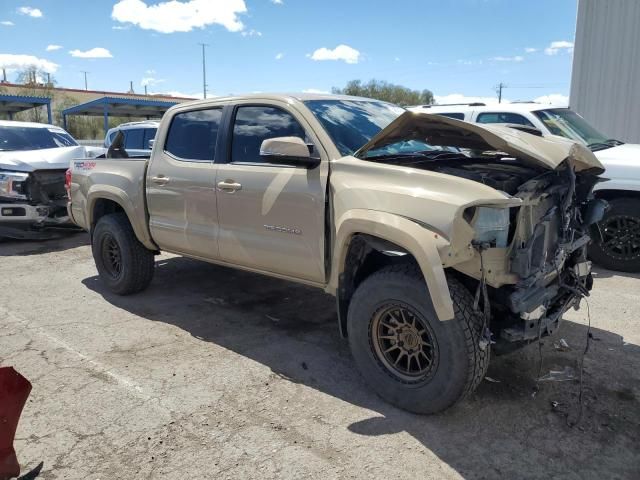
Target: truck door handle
<point>160,180</point>
<point>229,186</point>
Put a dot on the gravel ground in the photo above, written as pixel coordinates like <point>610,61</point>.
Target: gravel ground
<point>216,373</point>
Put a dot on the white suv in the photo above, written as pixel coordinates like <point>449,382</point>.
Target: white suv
<point>617,240</point>
<point>138,137</point>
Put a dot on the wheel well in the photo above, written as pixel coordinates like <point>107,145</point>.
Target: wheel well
<point>611,194</point>
<point>104,207</point>
<point>366,255</point>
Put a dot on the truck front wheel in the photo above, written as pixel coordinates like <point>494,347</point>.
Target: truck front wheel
<point>407,355</point>
<point>123,263</point>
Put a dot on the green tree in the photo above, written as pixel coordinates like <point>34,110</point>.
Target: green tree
<point>388,92</point>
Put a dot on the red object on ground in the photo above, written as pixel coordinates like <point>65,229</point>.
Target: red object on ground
<point>14,390</point>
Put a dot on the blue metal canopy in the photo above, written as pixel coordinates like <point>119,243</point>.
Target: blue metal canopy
<point>11,104</point>
<point>119,107</point>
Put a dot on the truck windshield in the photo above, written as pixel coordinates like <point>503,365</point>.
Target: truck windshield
<point>33,138</point>
<point>567,123</point>
<point>352,123</point>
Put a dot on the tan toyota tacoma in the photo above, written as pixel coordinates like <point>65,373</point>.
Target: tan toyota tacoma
<point>441,240</point>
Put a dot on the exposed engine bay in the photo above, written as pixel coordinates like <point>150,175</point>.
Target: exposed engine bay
<point>530,264</point>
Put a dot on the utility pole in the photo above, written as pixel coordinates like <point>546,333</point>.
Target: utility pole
<point>85,79</point>
<point>204,71</point>
<point>499,91</point>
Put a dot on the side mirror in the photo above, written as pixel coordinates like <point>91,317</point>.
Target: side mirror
<point>150,143</point>
<point>287,151</point>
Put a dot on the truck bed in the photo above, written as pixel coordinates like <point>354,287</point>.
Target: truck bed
<point>121,180</point>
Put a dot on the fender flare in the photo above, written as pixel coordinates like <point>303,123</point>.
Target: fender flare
<point>119,196</point>
<point>416,239</point>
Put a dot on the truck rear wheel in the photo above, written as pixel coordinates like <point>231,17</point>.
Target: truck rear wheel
<point>619,245</point>
<point>407,355</point>
<point>123,263</point>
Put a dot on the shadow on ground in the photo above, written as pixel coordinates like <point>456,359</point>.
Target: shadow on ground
<point>65,240</point>
<point>503,430</point>
<point>599,272</point>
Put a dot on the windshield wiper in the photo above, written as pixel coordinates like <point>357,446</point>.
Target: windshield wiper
<point>614,142</point>
<point>597,146</point>
<point>430,154</point>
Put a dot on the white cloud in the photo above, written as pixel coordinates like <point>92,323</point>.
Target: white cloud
<point>314,90</point>
<point>341,52</point>
<point>517,58</point>
<point>279,56</point>
<point>251,33</point>
<point>470,62</point>
<point>461,98</point>
<point>7,23</point>
<point>120,27</point>
<point>19,62</point>
<point>175,93</point>
<point>277,2</point>
<point>180,16</point>
<point>530,50</point>
<point>51,48</point>
<point>150,81</point>
<point>32,12</point>
<point>555,47</point>
<point>97,52</point>
<point>554,98</point>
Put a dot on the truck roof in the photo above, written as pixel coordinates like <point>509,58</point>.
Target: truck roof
<point>303,96</point>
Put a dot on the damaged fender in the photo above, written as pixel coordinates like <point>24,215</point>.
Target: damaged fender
<point>423,244</point>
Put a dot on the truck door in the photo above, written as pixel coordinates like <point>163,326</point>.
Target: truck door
<point>271,217</point>
<point>181,194</point>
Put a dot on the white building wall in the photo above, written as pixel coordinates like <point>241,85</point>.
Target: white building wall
<point>605,83</point>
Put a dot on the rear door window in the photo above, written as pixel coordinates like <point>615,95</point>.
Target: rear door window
<point>133,138</point>
<point>503,117</point>
<point>253,125</point>
<point>193,135</point>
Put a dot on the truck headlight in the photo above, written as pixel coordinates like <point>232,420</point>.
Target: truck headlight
<point>491,225</point>
<point>13,185</point>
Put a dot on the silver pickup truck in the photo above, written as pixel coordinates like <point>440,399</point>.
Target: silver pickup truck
<point>441,240</point>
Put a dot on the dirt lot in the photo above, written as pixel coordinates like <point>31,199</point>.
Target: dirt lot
<point>215,373</point>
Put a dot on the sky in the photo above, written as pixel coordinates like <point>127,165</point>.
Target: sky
<point>458,49</point>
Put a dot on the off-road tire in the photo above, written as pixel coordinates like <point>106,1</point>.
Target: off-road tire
<point>137,262</point>
<point>461,362</point>
<point>627,209</point>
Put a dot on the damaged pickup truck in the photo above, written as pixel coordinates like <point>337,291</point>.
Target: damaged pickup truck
<point>33,160</point>
<point>441,240</point>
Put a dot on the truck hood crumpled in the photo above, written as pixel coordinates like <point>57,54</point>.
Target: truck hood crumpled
<point>437,130</point>
<point>44,159</point>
